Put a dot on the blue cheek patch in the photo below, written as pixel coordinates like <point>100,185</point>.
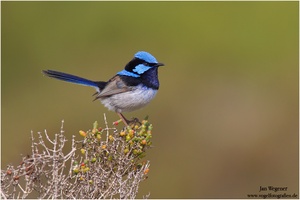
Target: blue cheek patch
<point>127,73</point>
<point>140,69</point>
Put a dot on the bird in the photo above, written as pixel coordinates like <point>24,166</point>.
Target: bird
<point>130,89</point>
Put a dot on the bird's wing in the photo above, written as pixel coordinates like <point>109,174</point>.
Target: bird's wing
<point>114,86</point>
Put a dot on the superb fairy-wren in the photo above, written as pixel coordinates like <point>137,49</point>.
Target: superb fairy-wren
<point>130,89</point>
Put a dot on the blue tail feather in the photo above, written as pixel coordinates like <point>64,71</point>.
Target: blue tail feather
<point>70,78</point>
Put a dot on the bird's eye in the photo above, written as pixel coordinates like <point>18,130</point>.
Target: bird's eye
<point>146,64</point>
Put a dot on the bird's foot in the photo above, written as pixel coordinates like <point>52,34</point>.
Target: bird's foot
<point>133,122</point>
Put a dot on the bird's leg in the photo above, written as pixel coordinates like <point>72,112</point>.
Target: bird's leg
<point>125,121</point>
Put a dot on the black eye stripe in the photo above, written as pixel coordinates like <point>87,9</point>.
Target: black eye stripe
<point>136,61</point>
<point>151,64</point>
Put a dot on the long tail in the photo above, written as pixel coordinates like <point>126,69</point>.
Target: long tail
<point>73,79</point>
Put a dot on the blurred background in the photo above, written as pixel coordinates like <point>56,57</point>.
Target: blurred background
<point>226,115</point>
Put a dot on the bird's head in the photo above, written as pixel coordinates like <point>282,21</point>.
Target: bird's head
<point>142,62</point>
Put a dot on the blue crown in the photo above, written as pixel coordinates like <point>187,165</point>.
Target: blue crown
<point>143,55</point>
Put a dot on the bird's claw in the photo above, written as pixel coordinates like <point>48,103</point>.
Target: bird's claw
<point>134,121</point>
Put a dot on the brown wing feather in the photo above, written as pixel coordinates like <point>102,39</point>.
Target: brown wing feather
<point>114,86</point>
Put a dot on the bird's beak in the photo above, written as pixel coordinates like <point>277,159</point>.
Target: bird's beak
<point>160,64</point>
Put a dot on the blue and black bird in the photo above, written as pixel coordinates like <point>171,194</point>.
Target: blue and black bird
<point>130,89</point>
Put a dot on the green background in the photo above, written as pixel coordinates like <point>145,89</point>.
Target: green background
<point>226,115</point>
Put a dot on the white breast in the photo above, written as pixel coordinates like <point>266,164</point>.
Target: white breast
<point>129,101</point>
